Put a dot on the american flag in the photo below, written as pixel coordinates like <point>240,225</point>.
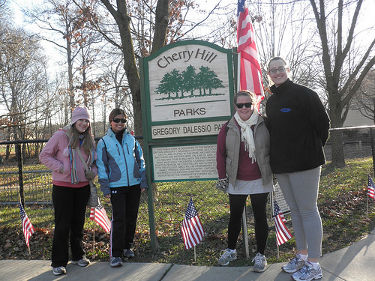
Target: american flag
<point>99,215</point>
<point>370,188</point>
<point>191,228</point>
<point>249,71</point>
<point>27,227</point>
<point>282,232</point>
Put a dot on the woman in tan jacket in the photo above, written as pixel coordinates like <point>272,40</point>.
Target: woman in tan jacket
<point>244,169</point>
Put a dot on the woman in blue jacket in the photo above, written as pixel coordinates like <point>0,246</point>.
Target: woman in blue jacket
<point>122,177</point>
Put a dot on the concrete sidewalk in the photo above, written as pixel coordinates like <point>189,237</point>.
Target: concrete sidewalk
<point>354,263</point>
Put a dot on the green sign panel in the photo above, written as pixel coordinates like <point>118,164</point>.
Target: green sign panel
<point>187,90</point>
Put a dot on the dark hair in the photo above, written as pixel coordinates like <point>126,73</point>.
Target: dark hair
<point>115,112</point>
<point>276,58</point>
<point>244,93</point>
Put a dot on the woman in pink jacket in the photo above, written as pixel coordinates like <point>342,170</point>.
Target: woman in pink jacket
<point>71,189</point>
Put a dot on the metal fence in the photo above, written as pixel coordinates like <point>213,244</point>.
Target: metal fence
<point>22,174</point>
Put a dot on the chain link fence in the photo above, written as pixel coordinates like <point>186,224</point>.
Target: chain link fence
<point>21,173</point>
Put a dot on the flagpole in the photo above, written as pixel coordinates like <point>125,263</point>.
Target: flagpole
<point>93,241</point>
<point>239,72</point>
<point>245,233</point>
<point>277,245</point>
<point>195,255</point>
<point>278,250</point>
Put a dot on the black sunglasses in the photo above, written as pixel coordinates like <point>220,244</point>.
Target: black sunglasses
<point>118,120</point>
<point>240,105</point>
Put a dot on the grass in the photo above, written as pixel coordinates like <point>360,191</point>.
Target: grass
<point>342,204</point>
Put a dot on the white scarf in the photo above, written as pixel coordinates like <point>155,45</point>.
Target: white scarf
<point>247,133</point>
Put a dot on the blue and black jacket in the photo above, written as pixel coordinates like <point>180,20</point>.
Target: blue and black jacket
<point>120,164</point>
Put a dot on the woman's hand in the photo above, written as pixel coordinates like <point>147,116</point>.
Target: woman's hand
<point>90,175</point>
<point>222,184</point>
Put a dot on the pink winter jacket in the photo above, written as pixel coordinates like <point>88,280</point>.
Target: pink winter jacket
<point>55,156</point>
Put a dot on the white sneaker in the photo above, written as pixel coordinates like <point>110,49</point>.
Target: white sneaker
<point>260,263</point>
<point>308,273</point>
<point>294,264</point>
<point>60,270</point>
<point>115,262</point>
<point>82,262</point>
<point>227,256</point>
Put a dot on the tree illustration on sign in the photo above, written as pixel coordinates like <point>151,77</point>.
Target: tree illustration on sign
<point>174,84</point>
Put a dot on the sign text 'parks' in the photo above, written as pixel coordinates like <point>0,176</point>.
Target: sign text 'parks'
<point>188,83</point>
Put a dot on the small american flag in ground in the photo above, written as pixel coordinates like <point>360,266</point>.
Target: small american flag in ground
<point>282,232</point>
<point>191,229</point>
<point>27,227</point>
<point>370,188</point>
<point>249,71</point>
<point>99,215</point>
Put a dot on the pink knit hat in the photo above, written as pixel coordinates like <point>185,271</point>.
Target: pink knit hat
<point>80,113</point>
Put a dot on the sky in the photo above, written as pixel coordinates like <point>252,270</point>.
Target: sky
<point>366,12</point>
<point>366,18</point>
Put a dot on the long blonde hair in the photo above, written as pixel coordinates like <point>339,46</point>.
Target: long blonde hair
<point>74,137</point>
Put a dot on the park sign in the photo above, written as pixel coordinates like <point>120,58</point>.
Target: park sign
<point>187,92</point>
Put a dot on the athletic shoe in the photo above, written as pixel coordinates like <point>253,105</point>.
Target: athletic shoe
<point>128,253</point>
<point>227,256</point>
<point>60,270</point>
<point>82,262</point>
<point>294,264</point>
<point>308,273</point>
<point>260,263</point>
<point>115,262</point>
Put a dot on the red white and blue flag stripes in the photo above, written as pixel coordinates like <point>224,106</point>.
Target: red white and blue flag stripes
<point>99,215</point>
<point>191,228</point>
<point>282,232</point>
<point>249,71</point>
<point>370,188</point>
<point>27,227</point>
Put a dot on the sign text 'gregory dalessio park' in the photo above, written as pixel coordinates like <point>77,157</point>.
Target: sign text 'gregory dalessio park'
<point>187,91</point>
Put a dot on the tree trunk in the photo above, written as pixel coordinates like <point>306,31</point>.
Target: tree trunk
<point>336,137</point>
<point>338,159</point>
<point>70,77</point>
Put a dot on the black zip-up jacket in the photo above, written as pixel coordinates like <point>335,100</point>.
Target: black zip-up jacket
<point>298,125</point>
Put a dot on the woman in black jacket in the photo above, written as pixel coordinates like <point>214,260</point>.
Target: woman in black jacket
<point>298,126</point>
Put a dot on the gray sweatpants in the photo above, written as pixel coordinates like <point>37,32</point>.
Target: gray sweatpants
<point>301,190</point>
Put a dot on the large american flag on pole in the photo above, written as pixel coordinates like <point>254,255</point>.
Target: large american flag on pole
<point>249,71</point>
<point>27,227</point>
<point>191,228</point>
<point>370,188</point>
<point>282,232</point>
<point>99,215</point>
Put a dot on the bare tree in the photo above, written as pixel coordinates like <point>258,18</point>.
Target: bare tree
<point>140,28</point>
<point>343,77</point>
<point>22,79</point>
<point>364,101</point>
<point>63,21</point>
